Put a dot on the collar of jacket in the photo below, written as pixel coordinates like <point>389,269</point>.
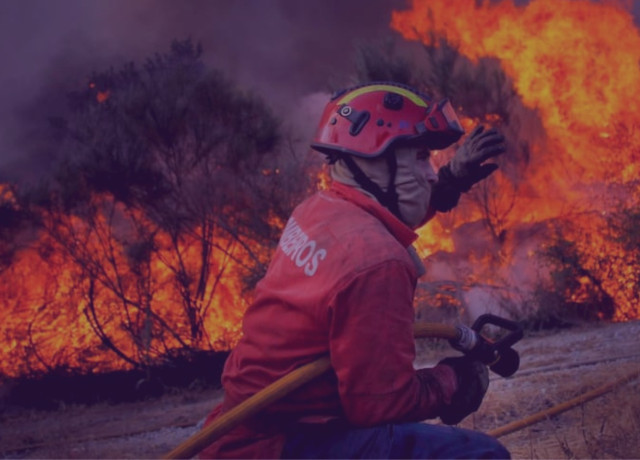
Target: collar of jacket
<point>396,227</point>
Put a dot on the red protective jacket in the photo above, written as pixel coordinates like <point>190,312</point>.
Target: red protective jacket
<point>341,283</point>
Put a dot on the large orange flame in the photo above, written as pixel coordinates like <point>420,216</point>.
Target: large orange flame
<point>77,274</point>
<point>575,63</point>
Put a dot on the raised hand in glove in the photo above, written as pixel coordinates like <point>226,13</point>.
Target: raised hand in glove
<point>466,165</point>
<point>466,168</point>
<point>473,381</point>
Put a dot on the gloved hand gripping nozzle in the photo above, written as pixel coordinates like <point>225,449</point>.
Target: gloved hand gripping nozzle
<point>498,355</point>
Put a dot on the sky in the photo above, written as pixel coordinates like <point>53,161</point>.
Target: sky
<point>286,50</point>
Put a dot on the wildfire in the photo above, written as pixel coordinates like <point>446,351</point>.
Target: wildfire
<point>79,292</point>
<point>575,63</point>
<point>89,293</point>
<point>101,95</point>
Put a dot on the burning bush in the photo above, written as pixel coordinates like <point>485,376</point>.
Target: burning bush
<point>558,82</point>
<point>159,211</point>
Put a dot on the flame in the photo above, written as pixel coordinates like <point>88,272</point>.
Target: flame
<point>101,95</point>
<point>51,302</point>
<point>575,64</point>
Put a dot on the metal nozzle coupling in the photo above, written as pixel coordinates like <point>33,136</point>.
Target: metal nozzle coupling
<point>467,340</point>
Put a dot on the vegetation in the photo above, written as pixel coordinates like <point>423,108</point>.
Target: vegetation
<point>578,286</point>
<point>172,183</point>
<point>586,261</point>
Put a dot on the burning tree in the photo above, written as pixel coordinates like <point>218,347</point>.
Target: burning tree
<point>558,82</point>
<point>169,196</point>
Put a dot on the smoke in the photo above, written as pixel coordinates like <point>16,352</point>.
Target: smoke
<point>285,50</point>
<point>282,49</point>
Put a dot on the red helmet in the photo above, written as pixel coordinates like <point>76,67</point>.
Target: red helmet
<point>366,120</point>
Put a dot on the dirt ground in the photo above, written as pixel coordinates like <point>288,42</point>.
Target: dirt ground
<point>555,367</point>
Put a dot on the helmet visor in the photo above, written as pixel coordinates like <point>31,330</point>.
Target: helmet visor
<point>441,127</point>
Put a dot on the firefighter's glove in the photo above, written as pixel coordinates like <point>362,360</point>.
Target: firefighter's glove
<point>466,167</point>
<point>473,381</point>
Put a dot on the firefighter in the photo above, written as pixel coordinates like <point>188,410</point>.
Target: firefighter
<point>342,282</point>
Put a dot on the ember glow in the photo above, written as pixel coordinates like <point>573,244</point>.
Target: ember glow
<point>101,95</point>
<point>575,63</point>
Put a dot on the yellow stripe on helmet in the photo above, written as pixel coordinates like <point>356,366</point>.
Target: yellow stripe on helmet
<point>417,100</point>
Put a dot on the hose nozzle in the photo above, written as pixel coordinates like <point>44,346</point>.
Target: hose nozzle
<point>499,356</point>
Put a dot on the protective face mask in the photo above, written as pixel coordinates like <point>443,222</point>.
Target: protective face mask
<point>414,179</point>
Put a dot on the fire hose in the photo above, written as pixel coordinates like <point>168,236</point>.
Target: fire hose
<point>562,407</point>
<point>498,355</point>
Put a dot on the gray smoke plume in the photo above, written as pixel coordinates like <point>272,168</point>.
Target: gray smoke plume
<point>282,49</point>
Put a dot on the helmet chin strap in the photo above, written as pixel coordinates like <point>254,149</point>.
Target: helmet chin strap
<point>388,199</point>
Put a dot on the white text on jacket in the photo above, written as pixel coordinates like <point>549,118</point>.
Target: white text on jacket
<point>303,251</point>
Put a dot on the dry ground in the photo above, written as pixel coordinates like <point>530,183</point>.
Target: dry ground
<point>555,367</point>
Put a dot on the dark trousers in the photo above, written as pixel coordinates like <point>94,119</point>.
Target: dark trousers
<point>406,440</point>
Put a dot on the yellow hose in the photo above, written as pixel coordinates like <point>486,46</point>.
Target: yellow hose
<point>304,374</point>
<point>279,389</point>
<point>562,407</point>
